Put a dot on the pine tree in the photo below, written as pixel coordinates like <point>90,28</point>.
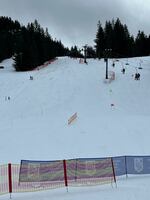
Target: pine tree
<point>91,53</point>
<point>75,52</point>
<point>142,47</point>
<point>100,41</point>
<point>8,28</point>
<point>34,46</point>
<point>108,35</point>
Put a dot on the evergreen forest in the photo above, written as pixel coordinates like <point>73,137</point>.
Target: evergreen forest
<point>31,45</point>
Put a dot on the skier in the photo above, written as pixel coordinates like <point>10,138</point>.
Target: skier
<point>123,70</point>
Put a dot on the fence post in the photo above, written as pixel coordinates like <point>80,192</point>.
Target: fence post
<point>126,167</point>
<point>65,174</point>
<point>10,179</point>
<point>113,171</point>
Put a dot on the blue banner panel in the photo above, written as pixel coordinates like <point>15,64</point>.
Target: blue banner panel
<point>138,164</point>
<point>119,165</point>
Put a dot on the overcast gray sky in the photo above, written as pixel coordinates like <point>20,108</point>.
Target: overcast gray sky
<point>75,21</point>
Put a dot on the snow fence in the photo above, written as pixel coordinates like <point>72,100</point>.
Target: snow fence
<point>32,176</point>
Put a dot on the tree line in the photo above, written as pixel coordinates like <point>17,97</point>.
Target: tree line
<point>114,40</point>
<point>29,45</point>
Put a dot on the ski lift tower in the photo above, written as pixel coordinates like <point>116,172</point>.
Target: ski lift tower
<point>85,52</point>
<point>107,54</point>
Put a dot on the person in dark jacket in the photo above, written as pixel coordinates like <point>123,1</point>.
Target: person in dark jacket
<point>123,70</point>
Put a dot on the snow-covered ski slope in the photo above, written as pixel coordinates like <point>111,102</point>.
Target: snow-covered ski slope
<point>34,121</point>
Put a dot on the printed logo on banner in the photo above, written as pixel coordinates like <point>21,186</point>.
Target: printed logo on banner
<point>138,164</point>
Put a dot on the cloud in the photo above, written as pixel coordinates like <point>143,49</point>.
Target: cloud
<point>75,21</point>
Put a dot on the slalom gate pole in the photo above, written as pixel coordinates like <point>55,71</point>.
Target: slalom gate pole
<point>10,179</point>
<point>113,171</point>
<point>65,174</point>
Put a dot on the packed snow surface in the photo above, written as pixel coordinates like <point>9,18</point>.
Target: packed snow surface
<point>112,120</point>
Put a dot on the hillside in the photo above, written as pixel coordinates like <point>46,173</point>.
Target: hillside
<point>112,118</point>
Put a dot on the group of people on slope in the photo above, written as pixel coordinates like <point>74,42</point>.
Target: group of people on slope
<point>136,76</point>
